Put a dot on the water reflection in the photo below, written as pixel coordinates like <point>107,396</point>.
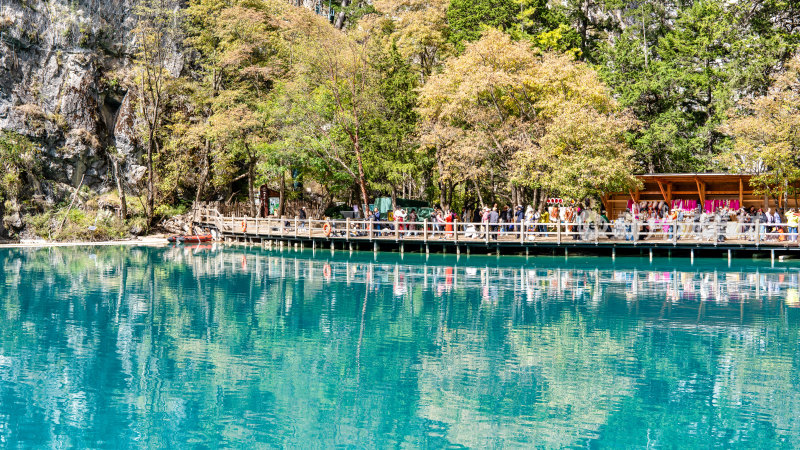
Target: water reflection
<point>204,344</point>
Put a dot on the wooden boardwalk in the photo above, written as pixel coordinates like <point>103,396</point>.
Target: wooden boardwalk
<point>558,237</point>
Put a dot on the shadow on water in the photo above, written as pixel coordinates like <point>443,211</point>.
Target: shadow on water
<point>164,346</point>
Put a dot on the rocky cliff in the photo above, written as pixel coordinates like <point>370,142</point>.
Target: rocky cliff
<point>63,66</point>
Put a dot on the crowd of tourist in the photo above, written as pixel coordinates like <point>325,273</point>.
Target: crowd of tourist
<point>642,220</point>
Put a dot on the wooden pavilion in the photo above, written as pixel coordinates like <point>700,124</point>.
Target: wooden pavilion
<point>723,188</point>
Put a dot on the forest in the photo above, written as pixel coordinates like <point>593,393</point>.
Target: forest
<point>457,102</point>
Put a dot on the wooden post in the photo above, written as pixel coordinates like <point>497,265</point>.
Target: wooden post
<point>758,232</point>
<point>558,231</point>
<point>455,231</point>
<point>674,232</point>
<point>522,232</point>
<point>310,226</point>
<point>425,230</point>
<point>371,230</point>
<point>347,228</point>
<point>295,227</point>
<point>281,226</point>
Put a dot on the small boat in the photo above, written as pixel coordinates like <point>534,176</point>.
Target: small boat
<point>196,239</point>
<point>193,239</point>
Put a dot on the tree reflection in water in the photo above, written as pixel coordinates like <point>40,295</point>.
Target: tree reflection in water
<point>164,346</point>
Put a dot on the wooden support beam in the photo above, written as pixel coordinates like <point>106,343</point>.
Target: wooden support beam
<point>666,193</point>
<point>701,192</point>
<point>741,192</point>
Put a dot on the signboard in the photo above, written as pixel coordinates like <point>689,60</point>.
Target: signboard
<point>274,204</point>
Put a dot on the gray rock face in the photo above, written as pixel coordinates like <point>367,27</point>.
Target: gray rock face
<point>62,69</point>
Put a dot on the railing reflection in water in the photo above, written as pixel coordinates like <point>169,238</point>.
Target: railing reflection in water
<point>528,280</point>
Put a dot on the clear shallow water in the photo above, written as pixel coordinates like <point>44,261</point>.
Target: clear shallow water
<point>119,347</point>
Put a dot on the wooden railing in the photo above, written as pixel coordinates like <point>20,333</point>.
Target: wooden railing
<point>558,232</point>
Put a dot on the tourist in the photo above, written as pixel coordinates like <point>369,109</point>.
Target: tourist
<point>555,216</point>
<point>503,219</point>
<point>792,220</point>
<point>412,218</point>
<point>721,219</point>
<point>579,217</point>
<point>762,220</point>
<point>399,215</point>
<point>484,222</point>
<point>303,217</point>
<point>543,219</point>
<point>770,220</point>
<point>529,219</point>
<point>376,218</point>
<point>569,217</point>
<point>605,224</point>
<point>439,223</point>
<point>494,218</point>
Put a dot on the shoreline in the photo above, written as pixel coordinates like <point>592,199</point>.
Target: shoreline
<point>149,241</point>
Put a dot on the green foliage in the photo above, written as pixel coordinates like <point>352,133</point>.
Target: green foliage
<point>680,76</point>
<point>172,210</point>
<point>275,95</point>
<point>19,158</point>
<point>469,18</point>
<point>767,140</point>
<point>104,225</point>
<point>392,156</point>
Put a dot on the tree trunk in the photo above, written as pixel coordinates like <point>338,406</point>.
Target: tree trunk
<point>362,179</point>
<point>442,194</point>
<point>584,28</point>
<point>450,189</point>
<point>480,196</point>
<point>123,204</point>
<point>250,188</point>
<point>282,195</point>
<point>150,183</point>
<point>2,214</point>
<point>394,197</point>
<point>203,176</point>
<point>340,19</point>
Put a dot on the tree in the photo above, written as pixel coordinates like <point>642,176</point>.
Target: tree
<point>391,154</point>
<point>243,55</point>
<point>469,18</point>
<point>766,132</point>
<point>157,32</point>
<point>505,113</point>
<point>418,30</point>
<point>679,75</point>
<point>20,161</point>
<point>343,85</point>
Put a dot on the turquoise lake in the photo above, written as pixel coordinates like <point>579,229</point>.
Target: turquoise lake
<point>207,347</point>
